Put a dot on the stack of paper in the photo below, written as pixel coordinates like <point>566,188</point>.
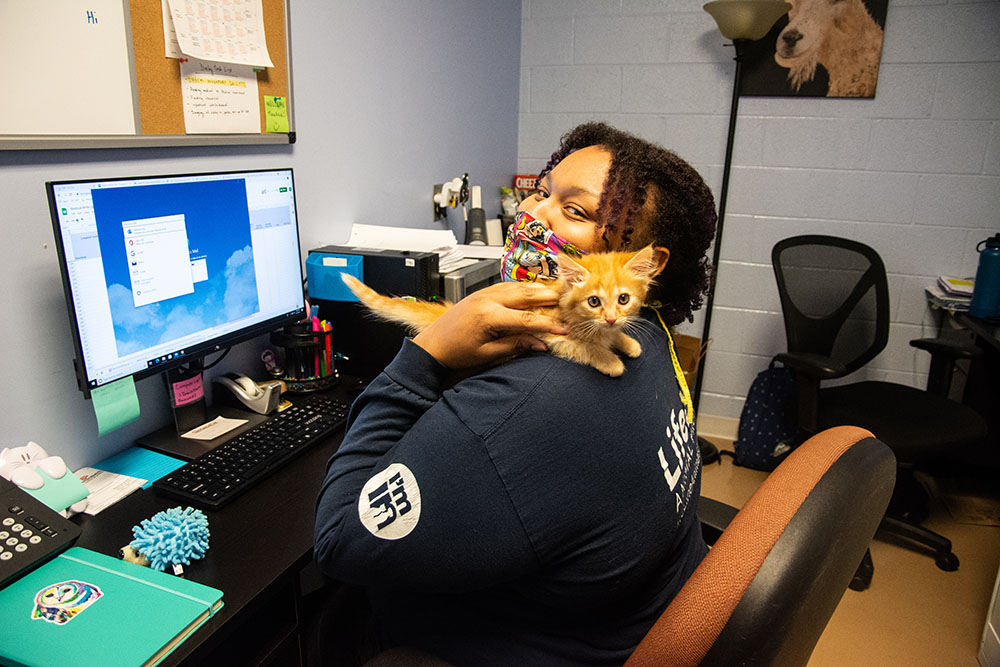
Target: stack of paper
<point>951,293</point>
<point>106,488</point>
<point>938,297</point>
<point>441,241</point>
<point>956,286</point>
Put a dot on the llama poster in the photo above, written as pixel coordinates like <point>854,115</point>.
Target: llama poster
<point>821,48</point>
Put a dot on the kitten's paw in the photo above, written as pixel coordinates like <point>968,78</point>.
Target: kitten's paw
<point>613,368</point>
<point>629,346</point>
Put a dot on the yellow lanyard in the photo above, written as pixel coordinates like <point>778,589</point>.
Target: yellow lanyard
<point>678,372</point>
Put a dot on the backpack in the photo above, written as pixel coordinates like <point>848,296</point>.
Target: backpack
<point>769,428</point>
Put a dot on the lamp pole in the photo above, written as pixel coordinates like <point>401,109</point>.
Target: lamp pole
<point>742,21</point>
<point>740,45</point>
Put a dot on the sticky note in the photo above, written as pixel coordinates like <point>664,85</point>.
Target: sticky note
<point>275,114</point>
<point>188,391</point>
<point>142,463</point>
<point>115,404</point>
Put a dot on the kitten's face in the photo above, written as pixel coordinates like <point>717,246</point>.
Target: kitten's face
<point>605,290</point>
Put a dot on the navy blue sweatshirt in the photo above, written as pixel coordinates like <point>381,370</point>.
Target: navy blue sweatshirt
<point>537,513</point>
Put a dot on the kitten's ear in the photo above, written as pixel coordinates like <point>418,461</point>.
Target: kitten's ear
<point>570,271</point>
<point>648,262</point>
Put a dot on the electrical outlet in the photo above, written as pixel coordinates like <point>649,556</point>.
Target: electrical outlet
<point>439,210</point>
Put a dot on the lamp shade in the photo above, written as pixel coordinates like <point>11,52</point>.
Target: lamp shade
<point>746,19</point>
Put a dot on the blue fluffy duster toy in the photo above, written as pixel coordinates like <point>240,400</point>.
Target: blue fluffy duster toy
<point>172,538</point>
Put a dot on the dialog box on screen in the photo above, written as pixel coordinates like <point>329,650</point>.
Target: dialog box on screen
<point>158,258</point>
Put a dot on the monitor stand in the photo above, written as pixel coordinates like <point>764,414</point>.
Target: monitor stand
<point>187,401</point>
<point>168,441</point>
<point>186,390</point>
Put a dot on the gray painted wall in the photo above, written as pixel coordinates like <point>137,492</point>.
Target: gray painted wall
<point>390,98</point>
<point>914,172</point>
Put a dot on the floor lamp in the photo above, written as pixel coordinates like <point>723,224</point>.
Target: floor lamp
<point>742,21</point>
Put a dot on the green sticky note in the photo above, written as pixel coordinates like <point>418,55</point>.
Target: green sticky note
<point>275,114</point>
<point>115,404</point>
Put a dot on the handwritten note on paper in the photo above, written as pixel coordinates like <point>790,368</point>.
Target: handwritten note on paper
<point>66,69</point>
<point>188,391</point>
<point>275,114</point>
<point>213,429</point>
<point>115,404</point>
<point>229,31</point>
<point>219,98</point>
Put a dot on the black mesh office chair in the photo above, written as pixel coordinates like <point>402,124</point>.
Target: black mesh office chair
<point>835,302</point>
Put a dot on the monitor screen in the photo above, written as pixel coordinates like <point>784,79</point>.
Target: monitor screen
<point>160,270</point>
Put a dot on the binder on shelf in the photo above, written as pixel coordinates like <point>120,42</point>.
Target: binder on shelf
<point>84,607</point>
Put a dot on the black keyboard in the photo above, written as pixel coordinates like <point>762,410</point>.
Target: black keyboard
<point>215,478</point>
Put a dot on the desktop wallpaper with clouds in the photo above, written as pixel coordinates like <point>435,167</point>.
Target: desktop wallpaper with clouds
<point>218,229</point>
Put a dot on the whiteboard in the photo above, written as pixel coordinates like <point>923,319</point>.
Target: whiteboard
<point>45,94</point>
<point>95,74</point>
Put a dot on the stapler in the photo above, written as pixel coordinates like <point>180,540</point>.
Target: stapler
<point>241,391</point>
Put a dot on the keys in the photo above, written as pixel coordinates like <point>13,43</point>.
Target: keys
<point>217,477</point>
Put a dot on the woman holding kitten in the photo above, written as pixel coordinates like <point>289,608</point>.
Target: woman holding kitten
<point>535,511</point>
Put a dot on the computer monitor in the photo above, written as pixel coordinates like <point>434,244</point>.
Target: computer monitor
<point>161,270</point>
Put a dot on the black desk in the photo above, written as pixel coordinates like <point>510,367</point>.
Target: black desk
<point>982,386</point>
<point>986,330</point>
<point>258,546</point>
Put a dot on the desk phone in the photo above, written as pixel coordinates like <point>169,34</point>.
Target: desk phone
<point>30,532</point>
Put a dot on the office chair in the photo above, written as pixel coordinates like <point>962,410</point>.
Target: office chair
<point>777,568</point>
<point>835,302</point>
<point>772,580</point>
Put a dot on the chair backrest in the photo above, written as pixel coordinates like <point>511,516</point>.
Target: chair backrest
<point>768,586</point>
<point>834,298</point>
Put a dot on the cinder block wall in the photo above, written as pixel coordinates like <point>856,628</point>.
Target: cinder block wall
<point>914,172</point>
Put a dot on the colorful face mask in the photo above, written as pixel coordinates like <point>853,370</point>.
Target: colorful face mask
<point>530,250</point>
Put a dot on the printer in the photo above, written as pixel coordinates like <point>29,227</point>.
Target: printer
<point>457,284</point>
<point>367,343</point>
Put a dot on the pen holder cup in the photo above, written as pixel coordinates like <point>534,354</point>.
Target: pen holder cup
<point>307,358</point>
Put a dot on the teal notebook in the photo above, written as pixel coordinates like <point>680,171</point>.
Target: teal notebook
<point>85,608</point>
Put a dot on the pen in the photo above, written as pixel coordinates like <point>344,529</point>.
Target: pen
<point>324,370</point>
<point>315,323</point>
<point>329,351</point>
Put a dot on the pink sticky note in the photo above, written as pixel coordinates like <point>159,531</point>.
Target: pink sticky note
<point>188,391</point>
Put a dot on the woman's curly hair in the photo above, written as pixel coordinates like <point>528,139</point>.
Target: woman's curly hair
<point>652,196</point>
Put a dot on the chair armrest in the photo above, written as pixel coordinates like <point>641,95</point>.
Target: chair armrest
<point>956,349</point>
<point>944,353</point>
<point>809,369</point>
<point>813,365</point>
<point>714,517</point>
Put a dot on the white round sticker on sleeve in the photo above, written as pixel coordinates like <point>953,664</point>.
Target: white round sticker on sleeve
<point>389,505</point>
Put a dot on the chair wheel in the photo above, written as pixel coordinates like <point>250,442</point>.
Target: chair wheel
<point>859,583</point>
<point>709,452</point>
<point>947,561</point>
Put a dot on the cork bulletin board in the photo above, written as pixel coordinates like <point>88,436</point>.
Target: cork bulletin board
<point>133,88</point>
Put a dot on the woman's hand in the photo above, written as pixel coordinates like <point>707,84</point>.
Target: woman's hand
<point>491,325</point>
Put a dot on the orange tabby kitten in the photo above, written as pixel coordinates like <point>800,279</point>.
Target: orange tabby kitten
<point>600,296</point>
